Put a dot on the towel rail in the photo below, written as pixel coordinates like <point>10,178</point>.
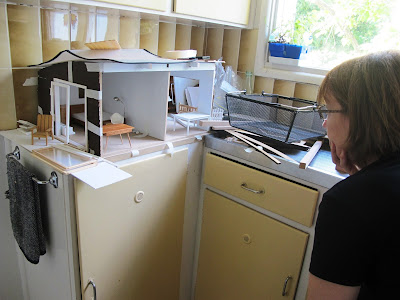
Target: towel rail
<point>53,180</point>
<point>17,153</point>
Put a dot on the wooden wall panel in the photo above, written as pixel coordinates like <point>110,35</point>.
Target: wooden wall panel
<point>26,97</point>
<point>129,32</point>
<point>263,84</point>
<point>247,51</point>
<point>306,91</point>
<point>149,35</point>
<point>82,29</point>
<point>166,38</point>
<point>197,40</point>
<point>8,118</point>
<point>5,58</point>
<point>284,88</point>
<point>25,42</point>
<point>183,37</point>
<point>55,32</point>
<point>230,48</point>
<point>214,40</point>
<point>111,30</point>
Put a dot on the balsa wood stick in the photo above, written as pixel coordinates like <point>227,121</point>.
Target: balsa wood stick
<point>277,152</point>
<point>310,155</point>
<point>240,137</point>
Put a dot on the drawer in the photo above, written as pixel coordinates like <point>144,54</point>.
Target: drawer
<point>288,199</point>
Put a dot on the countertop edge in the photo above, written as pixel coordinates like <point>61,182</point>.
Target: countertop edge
<point>312,175</point>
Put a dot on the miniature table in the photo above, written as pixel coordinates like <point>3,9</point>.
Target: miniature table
<point>188,117</point>
<point>114,129</point>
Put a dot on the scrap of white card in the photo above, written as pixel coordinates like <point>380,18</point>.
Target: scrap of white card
<point>102,175</point>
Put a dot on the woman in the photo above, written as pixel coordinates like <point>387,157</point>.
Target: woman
<point>356,252</point>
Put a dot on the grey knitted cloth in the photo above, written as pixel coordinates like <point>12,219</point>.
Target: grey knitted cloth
<point>25,215</point>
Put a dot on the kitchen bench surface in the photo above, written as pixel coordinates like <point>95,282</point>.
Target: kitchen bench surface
<point>321,170</point>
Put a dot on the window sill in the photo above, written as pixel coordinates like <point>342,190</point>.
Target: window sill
<point>291,74</point>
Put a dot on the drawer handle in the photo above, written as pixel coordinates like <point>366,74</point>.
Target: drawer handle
<point>244,186</point>
<point>284,292</point>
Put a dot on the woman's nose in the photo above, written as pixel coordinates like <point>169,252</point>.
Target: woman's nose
<point>324,123</point>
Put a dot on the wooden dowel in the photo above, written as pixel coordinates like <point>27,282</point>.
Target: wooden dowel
<point>310,155</point>
<point>255,146</point>
<point>277,152</point>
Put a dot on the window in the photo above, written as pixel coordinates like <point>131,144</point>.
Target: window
<point>333,31</point>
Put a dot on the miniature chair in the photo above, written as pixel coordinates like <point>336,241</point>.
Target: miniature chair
<point>44,127</point>
<point>189,114</point>
<point>186,108</point>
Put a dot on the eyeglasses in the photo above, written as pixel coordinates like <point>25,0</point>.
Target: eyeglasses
<point>323,112</point>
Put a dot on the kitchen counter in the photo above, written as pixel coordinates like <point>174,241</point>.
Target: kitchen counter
<point>321,170</point>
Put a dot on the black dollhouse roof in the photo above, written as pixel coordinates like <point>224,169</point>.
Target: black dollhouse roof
<point>125,56</point>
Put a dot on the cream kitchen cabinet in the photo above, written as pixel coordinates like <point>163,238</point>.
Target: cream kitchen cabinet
<point>243,253</point>
<point>286,198</point>
<point>246,255</point>
<point>130,233</point>
<point>161,5</point>
<point>235,11</point>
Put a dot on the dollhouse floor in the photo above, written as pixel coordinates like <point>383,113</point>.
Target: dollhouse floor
<point>144,144</point>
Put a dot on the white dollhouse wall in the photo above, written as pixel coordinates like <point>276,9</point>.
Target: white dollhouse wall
<point>180,85</point>
<point>206,84</point>
<point>145,95</point>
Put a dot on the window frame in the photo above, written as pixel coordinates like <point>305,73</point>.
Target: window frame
<point>263,68</point>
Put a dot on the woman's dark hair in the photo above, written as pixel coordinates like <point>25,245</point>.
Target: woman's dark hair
<point>368,89</point>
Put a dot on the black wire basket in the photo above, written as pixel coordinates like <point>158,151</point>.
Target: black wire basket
<point>277,117</point>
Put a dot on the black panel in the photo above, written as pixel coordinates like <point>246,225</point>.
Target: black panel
<point>46,76</point>
<point>81,93</point>
<point>44,99</point>
<point>55,71</point>
<point>93,111</point>
<point>94,142</point>
<point>81,76</point>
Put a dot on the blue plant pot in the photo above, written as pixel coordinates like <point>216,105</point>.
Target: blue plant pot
<point>292,51</point>
<point>276,49</point>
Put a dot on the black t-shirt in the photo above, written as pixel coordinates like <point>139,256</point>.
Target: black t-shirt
<point>357,234</point>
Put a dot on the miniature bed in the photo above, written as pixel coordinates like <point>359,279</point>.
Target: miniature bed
<point>77,112</point>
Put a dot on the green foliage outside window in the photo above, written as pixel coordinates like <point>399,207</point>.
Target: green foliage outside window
<point>336,30</point>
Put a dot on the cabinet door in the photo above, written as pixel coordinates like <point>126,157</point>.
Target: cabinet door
<point>161,5</point>
<point>235,11</point>
<point>131,249</point>
<point>246,255</point>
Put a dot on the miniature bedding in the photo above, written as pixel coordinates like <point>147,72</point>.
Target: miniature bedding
<point>81,116</point>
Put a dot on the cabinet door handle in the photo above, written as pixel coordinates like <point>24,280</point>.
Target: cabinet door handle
<point>284,292</point>
<point>94,288</point>
<point>244,186</point>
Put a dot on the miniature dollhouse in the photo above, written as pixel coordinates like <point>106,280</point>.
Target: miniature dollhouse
<point>131,85</point>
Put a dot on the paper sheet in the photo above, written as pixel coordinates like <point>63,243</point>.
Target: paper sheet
<point>101,175</point>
